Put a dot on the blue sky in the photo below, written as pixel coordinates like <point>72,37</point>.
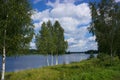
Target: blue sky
<point>73,15</point>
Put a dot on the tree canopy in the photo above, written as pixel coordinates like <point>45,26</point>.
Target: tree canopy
<point>16,29</point>
<point>15,19</point>
<point>50,39</point>
<point>105,25</point>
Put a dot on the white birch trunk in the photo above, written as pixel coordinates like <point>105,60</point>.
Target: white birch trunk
<point>3,64</point>
<point>52,60</point>
<point>56,59</point>
<point>47,60</point>
<point>3,59</point>
<point>111,56</point>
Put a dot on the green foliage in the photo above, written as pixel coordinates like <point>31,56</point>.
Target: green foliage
<point>91,51</point>
<point>16,29</point>
<point>91,56</point>
<point>119,55</point>
<point>85,70</point>
<point>105,25</point>
<point>105,59</point>
<point>42,39</point>
<point>15,19</point>
<point>102,56</point>
<point>60,43</point>
<point>50,39</point>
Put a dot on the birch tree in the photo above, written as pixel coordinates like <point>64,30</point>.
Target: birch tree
<point>16,29</point>
<point>60,43</point>
<point>42,41</point>
<point>50,40</point>
<point>51,44</point>
<point>105,26</point>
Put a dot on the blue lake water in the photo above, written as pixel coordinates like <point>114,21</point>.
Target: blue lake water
<point>36,61</point>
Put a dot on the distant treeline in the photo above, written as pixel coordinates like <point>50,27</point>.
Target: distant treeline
<point>35,51</point>
<point>91,52</point>
<point>86,52</point>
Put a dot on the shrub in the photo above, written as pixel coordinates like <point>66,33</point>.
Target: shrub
<point>104,59</point>
<point>119,56</point>
<point>103,56</point>
<point>91,56</point>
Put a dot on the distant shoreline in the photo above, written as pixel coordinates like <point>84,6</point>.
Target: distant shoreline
<point>82,52</point>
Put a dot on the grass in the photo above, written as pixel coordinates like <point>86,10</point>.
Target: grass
<point>84,70</point>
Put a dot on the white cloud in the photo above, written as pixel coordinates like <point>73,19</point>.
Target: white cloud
<point>92,38</point>
<point>74,19</point>
<point>71,40</point>
<point>69,1</point>
<point>69,24</point>
<point>53,4</point>
<point>117,0</point>
<point>72,1</point>
<point>78,41</point>
<point>32,44</point>
<point>38,16</point>
<point>57,2</point>
<point>36,1</point>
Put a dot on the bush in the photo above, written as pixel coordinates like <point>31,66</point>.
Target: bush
<point>103,56</point>
<point>91,56</point>
<point>104,59</point>
<point>119,56</point>
<point>116,60</point>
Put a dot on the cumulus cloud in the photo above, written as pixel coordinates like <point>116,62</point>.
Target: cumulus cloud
<point>36,1</point>
<point>32,44</point>
<point>74,19</point>
<point>117,0</point>
<point>37,16</point>
<point>57,2</point>
<point>92,38</point>
<point>78,41</point>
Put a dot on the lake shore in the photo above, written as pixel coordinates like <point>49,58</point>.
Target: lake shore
<point>84,70</point>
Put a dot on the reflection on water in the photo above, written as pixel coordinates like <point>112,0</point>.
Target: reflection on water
<point>35,61</point>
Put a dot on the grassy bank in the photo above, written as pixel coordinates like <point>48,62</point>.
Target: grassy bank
<point>86,70</point>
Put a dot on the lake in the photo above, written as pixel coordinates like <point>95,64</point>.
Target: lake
<point>36,61</point>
